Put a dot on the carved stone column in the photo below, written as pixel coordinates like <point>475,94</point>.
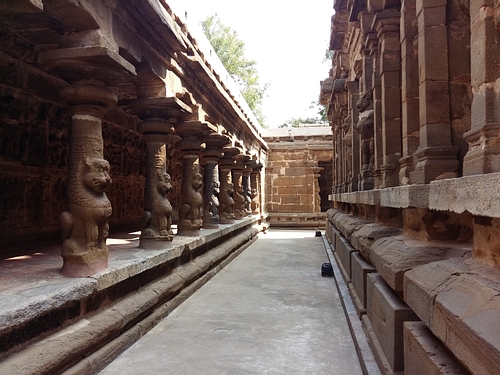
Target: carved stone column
<point>211,183</point>
<point>239,194</point>
<point>254,187</point>
<point>436,154</point>
<point>190,219</point>
<point>226,208</point>
<point>155,112</point>
<point>246,188</point>
<point>84,226</point>
<point>483,138</point>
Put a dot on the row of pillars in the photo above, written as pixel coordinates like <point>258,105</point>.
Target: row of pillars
<point>91,73</point>
<point>84,225</point>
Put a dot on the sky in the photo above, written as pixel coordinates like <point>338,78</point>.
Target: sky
<point>287,40</point>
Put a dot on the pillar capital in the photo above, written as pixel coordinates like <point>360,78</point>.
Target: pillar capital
<point>87,64</point>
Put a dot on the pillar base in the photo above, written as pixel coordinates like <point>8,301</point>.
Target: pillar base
<point>484,154</point>
<point>156,243</point>
<point>80,268</point>
<point>435,163</point>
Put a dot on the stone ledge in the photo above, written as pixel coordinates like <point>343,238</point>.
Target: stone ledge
<point>479,195</point>
<point>394,256</point>
<point>394,197</point>
<point>302,219</point>
<point>459,301</point>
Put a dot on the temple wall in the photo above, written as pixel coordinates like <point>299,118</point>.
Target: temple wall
<point>293,174</point>
<point>414,228</point>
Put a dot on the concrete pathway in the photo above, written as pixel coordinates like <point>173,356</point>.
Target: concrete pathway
<point>268,312</point>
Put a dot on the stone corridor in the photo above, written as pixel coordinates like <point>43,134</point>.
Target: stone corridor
<point>268,312</point>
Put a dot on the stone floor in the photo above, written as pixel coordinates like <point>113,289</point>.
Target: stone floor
<point>268,312</point>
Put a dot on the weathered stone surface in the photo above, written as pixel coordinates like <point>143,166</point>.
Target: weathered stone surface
<point>363,238</point>
<point>393,256</point>
<point>458,300</point>
<point>348,224</point>
<point>425,354</point>
<point>474,194</point>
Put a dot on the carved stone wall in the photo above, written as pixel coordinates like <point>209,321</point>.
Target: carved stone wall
<point>417,247</point>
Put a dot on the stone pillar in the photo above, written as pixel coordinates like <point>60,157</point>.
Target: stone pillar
<point>254,186</point>
<point>157,208</point>
<point>409,89</point>
<point>246,189</point>
<point>84,226</point>
<point>483,138</point>
<point>436,155</point>
<point>226,208</point>
<point>211,184</point>
<point>190,219</point>
<point>386,23</point>
<point>239,194</point>
<point>155,112</point>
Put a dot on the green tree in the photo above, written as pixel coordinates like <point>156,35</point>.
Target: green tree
<point>231,52</point>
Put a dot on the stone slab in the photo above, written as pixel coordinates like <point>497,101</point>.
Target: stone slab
<point>363,238</point>
<point>387,313</point>
<point>343,250</point>
<point>360,268</point>
<point>478,194</point>
<point>393,256</point>
<point>425,354</point>
<point>459,301</point>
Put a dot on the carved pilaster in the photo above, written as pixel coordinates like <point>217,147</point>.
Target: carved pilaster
<point>437,157</point>
<point>386,23</point>
<point>483,155</point>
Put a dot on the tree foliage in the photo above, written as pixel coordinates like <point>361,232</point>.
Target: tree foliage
<point>231,51</point>
<point>295,122</point>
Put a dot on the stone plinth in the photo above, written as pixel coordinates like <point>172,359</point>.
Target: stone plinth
<point>458,300</point>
